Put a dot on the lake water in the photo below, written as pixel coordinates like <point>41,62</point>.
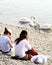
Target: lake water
<point>12,10</point>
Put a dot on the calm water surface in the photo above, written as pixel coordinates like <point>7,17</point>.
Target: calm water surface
<point>12,10</point>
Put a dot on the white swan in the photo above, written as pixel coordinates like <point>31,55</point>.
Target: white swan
<point>25,20</point>
<point>45,26</point>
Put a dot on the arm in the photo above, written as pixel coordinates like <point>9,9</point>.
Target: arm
<point>10,45</point>
<point>28,46</point>
<point>31,50</point>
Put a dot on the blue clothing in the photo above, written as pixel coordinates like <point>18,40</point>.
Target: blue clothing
<point>4,40</point>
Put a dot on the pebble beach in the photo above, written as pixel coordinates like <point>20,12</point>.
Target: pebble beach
<point>42,42</point>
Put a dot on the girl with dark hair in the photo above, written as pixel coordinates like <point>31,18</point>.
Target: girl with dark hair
<point>23,49</point>
<point>5,43</point>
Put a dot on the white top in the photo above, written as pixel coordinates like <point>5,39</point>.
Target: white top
<point>4,43</point>
<point>21,48</point>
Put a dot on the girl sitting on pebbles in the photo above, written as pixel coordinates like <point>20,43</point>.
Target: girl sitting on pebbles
<point>5,44</point>
<point>23,49</point>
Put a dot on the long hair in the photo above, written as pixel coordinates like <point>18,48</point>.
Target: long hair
<point>22,36</point>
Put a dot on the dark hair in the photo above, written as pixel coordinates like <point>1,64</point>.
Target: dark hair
<point>22,36</point>
<point>6,31</point>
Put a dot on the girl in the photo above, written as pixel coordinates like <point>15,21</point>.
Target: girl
<point>23,49</point>
<point>5,44</point>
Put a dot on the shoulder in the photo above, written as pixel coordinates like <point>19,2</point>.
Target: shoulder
<point>7,38</point>
<point>25,41</point>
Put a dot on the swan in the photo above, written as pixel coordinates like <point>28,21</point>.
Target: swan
<point>45,26</point>
<point>25,20</point>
